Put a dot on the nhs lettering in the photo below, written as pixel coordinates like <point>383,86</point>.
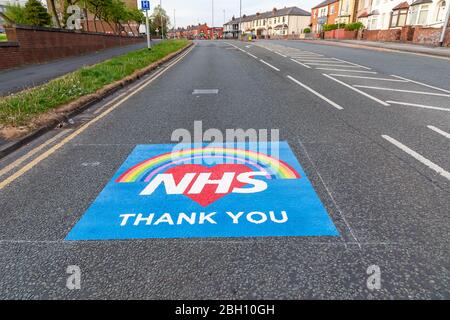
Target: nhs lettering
<point>214,191</point>
<point>206,184</point>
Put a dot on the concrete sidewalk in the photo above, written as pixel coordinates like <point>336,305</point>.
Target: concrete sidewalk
<point>404,47</point>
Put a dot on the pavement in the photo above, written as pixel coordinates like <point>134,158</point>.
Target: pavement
<point>397,46</point>
<point>17,79</point>
<point>389,203</point>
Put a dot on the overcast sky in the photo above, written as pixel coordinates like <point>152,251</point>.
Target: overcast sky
<point>200,11</point>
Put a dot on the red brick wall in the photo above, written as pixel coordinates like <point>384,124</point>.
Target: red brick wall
<point>29,45</point>
<point>430,36</point>
<point>382,35</point>
<point>341,34</point>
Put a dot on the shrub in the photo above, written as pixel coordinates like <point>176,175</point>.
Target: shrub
<point>307,30</point>
<point>334,26</point>
<point>16,13</point>
<point>354,26</point>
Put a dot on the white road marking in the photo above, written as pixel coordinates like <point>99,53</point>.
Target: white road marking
<point>441,132</point>
<point>421,83</point>
<point>356,90</point>
<point>352,63</point>
<point>252,55</point>
<point>418,157</point>
<point>342,70</point>
<point>334,104</point>
<point>316,60</point>
<point>363,77</point>
<point>301,63</point>
<point>329,65</point>
<point>268,64</point>
<point>280,54</point>
<point>418,105</point>
<point>205,91</point>
<point>402,90</point>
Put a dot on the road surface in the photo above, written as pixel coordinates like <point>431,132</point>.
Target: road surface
<point>377,152</point>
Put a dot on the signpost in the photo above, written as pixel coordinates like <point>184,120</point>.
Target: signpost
<point>145,5</point>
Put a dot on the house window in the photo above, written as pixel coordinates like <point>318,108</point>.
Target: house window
<point>398,18</point>
<point>331,9</point>
<point>423,14</point>
<point>373,23</point>
<point>441,11</point>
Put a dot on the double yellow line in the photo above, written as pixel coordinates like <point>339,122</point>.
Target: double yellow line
<point>115,104</point>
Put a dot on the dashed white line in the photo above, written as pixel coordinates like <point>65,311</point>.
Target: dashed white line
<point>268,64</point>
<point>251,55</point>
<point>356,90</point>
<point>418,157</point>
<point>334,104</point>
<point>418,105</point>
<point>369,78</point>
<point>302,64</point>
<point>421,83</point>
<point>402,90</point>
<point>441,132</point>
<point>342,70</point>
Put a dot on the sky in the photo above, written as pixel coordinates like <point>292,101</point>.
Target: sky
<point>189,12</point>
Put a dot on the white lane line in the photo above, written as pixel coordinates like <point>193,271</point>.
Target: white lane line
<point>356,90</point>
<point>324,64</point>
<point>334,104</point>
<point>369,78</point>
<point>268,64</point>
<point>402,90</point>
<point>302,64</point>
<point>306,55</point>
<point>352,63</point>
<point>316,60</point>
<point>421,83</point>
<point>441,132</point>
<point>342,70</point>
<point>280,54</point>
<point>418,157</point>
<point>418,105</point>
<point>252,55</point>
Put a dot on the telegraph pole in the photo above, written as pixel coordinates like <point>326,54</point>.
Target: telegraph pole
<point>240,18</point>
<point>162,19</point>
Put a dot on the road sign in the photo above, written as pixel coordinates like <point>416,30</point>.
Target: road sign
<point>145,5</point>
<point>219,190</point>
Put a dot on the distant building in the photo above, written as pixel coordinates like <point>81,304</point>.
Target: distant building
<point>276,23</point>
<point>326,12</point>
<point>231,29</point>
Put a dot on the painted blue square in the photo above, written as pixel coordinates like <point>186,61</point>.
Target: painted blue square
<point>285,205</point>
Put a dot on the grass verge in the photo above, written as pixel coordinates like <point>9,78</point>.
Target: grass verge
<point>19,109</point>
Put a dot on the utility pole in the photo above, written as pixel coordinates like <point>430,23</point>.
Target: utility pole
<point>212,27</point>
<point>174,24</point>
<point>147,25</point>
<point>240,18</point>
<point>162,19</point>
<point>444,28</point>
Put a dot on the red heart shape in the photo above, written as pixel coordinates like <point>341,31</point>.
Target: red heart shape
<point>208,195</point>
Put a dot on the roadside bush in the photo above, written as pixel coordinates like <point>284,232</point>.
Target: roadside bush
<point>334,26</point>
<point>354,26</point>
<point>307,30</point>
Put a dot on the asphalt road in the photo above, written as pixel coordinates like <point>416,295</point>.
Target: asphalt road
<point>17,79</point>
<point>391,206</point>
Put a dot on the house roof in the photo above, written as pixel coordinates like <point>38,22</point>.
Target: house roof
<point>417,2</point>
<point>324,3</point>
<point>291,11</point>
<point>403,5</point>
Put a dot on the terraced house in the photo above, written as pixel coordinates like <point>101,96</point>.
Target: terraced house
<point>284,22</point>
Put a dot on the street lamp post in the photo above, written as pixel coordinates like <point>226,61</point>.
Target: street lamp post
<point>212,15</point>
<point>162,19</point>
<point>240,19</point>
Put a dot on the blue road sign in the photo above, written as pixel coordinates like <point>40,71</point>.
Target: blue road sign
<point>145,5</point>
<point>215,190</point>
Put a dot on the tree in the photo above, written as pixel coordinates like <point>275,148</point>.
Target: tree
<point>36,15</point>
<point>160,20</point>
<point>136,16</point>
<point>15,14</point>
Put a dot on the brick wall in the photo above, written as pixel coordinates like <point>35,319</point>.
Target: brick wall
<point>382,35</point>
<point>430,36</point>
<point>27,45</point>
<point>341,34</point>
